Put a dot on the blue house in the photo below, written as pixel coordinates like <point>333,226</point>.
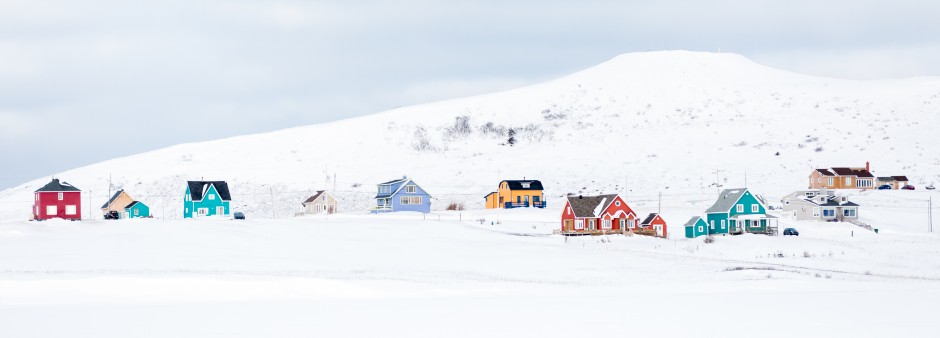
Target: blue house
<point>206,198</point>
<point>401,195</point>
<point>696,227</point>
<point>739,211</point>
<point>137,209</point>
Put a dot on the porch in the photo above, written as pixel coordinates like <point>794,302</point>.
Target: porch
<point>754,224</point>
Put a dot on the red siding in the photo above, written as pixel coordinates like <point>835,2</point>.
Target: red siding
<point>51,198</point>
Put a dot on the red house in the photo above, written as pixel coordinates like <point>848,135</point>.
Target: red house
<point>653,225</point>
<point>58,200</point>
<point>597,215</point>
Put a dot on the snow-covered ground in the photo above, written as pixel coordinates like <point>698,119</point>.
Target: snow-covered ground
<point>457,274</point>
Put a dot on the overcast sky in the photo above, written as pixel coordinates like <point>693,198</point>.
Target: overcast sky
<point>86,81</point>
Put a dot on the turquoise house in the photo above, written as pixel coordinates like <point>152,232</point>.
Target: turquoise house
<point>738,211</point>
<point>695,227</point>
<point>136,209</point>
<point>206,198</point>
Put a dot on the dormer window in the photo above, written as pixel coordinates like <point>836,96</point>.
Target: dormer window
<point>526,185</point>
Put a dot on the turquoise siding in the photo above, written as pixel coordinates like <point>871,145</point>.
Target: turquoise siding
<point>698,229</point>
<point>139,210</point>
<point>747,204</point>
<point>211,202</point>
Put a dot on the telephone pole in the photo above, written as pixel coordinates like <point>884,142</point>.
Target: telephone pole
<point>930,214</point>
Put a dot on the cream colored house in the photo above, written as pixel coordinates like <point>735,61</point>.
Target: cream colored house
<point>118,202</point>
<point>320,203</point>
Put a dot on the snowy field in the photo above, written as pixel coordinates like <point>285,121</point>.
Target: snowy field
<point>410,275</point>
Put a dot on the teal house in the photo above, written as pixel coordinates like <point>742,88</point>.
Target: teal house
<point>738,211</point>
<point>206,198</point>
<point>136,209</point>
<point>695,227</point>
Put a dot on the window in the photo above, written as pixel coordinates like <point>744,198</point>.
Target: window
<point>518,199</point>
<point>617,203</point>
<point>70,210</point>
<point>569,210</point>
<point>631,223</point>
<point>829,212</point>
<point>592,225</point>
<point>211,197</point>
<point>51,210</point>
<point>37,197</point>
<point>832,181</point>
<point>579,224</point>
<point>607,224</point>
<point>411,200</point>
<point>136,212</point>
<point>755,208</point>
<point>740,207</point>
<point>411,189</point>
<point>384,189</point>
<point>220,211</point>
<point>722,224</point>
<point>755,223</point>
<point>816,212</point>
<point>61,196</point>
<point>713,225</point>
<point>848,181</point>
<point>536,198</point>
<point>701,229</point>
<point>623,223</point>
<point>203,211</point>
<point>187,210</point>
<point>848,212</point>
<point>526,185</point>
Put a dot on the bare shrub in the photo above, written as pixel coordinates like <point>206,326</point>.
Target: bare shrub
<point>420,141</point>
<point>709,239</point>
<point>460,128</point>
<point>455,206</point>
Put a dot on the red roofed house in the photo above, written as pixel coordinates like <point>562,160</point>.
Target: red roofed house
<point>597,215</point>
<point>653,225</point>
<point>842,178</point>
<point>58,200</point>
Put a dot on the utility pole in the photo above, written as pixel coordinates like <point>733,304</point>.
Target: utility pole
<point>659,207</point>
<point>271,189</point>
<point>930,214</point>
<point>745,179</point>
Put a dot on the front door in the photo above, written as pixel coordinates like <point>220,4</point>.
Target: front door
<point>659,230</point>
<point>220,210</point>
<point>527,200</point>
<point>568,226</point>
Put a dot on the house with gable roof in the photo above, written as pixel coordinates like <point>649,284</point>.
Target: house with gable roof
<point>895,182</point>
<point>842,178</point>
<point>125,206</point>
<point>738,211</point>
<point>653,225</point>
<point>320,203</point>
<point>695,227</point>
<point>206,198</point>
<point>597,215</point>
<point>819,205</point>
<point>401,195</point>
<point>516,194</point>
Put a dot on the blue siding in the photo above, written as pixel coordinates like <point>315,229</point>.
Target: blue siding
<point>139,210</point>
<point>399,192</point>
<point>211,204</point>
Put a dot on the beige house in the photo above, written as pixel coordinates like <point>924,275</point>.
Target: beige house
<point>118,202</point>
<point>320,203</point>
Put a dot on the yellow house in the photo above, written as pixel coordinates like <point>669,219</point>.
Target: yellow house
<point>516,194</point>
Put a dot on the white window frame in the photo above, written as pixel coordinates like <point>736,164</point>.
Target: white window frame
<point>831,211</point>
<point>220,210</point>
<point>723,224</point>
<point>617,203</point>
<point>71,210</point>
<point>755,208</point>
<point>816,212</point>
<point>52,210</point>
<point>848,181</point>
<point>61,196</point>
<point>607,224</point>
<point>740,208</point>
<point>212,197</point>
<point>713,224</point>
<point>569,210</point>
<point>411,189</point>
<point>846,212</point>
<point>631,223</point>
<point>623,223</point>
<point>202,211</point>
<point>701,229</point>
<point>579,224</point>
<point>592,224</point>
<point>832,181</point>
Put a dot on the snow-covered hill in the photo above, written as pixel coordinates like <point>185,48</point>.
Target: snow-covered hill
<point>677,123</point>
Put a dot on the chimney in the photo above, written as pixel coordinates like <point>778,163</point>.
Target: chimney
<point>867,166</point>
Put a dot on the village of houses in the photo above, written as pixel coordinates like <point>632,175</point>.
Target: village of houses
<point>736,211</point>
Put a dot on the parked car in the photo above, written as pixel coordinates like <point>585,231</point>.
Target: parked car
<point>112,215</point>
<point>929,187</point>
<point>790,232</point>
<point>884,187</point>
<point>239,215</point>
<point>908,187</point>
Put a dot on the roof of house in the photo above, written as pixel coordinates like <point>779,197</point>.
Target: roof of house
<point>887,179</point>
<point>692,221</point>
<point>858,172</point>
<point>726,200</point>
<point>394,181</point>
<point>57,186</point>
<point>314,197</point>
<point>585,206</point>
<point>111,200</point>
<point>132,204</point>
<point>825,172</point>
<point>488,195</point>
<point>520,184</point>
<point>198,188</point>
<point>900,178</point>
<point>830,201</point>
<point>649,219</point>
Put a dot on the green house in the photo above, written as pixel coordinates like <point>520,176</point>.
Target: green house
<point>136,209</point>
<point>738,211</point>
<point>695,227</point>
<point>206,198</point>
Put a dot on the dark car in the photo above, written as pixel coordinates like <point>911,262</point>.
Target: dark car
<point>239,215</point>
<point>884,187</point>
<point>930,187</point>
<point>112,215</point>
<point>790,232</point>
<point>908,187</point>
